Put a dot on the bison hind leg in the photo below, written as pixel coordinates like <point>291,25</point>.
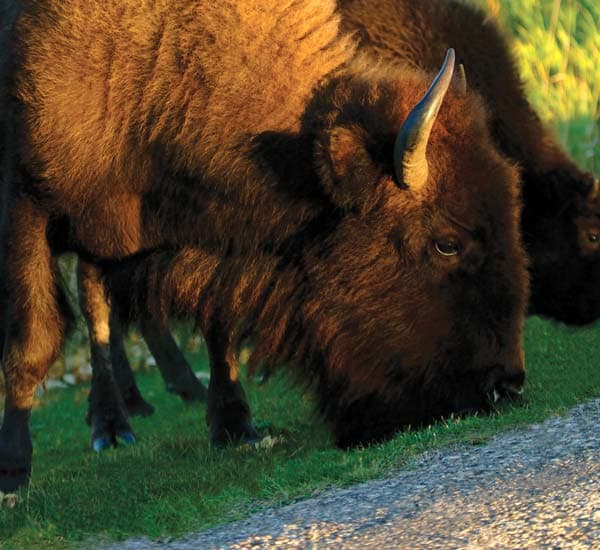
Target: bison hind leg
<point>176,372</point>
<point>107,413</point>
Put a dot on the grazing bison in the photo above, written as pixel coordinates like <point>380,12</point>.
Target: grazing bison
<point>561,210</point>
<point>238,163</point>
<point>560,221</point>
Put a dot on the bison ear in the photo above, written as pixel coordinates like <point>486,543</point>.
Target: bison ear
<point>347,171</point>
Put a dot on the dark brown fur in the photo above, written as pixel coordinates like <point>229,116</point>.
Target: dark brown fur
<point>234,163</point>
<point>559,215</point>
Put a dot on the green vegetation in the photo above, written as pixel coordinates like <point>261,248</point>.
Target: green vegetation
<point>557,44</point>
<point>172,482</point>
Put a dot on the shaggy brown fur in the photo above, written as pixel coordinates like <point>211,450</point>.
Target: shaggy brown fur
<point>235,160</point>
<point>561,221</point>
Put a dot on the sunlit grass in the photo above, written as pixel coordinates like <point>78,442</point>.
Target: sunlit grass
<point>557,44</point>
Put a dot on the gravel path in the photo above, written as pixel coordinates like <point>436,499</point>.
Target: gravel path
<point>533,488</point>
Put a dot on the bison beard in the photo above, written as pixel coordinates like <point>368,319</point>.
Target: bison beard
<point>280,311</point>
<point>362,227</point>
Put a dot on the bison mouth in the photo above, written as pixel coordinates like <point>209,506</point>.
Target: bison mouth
<point>508,390</point>
<point>505,393</point>
<point>496,392</point>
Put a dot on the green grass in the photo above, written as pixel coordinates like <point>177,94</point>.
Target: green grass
<point>172,482</point>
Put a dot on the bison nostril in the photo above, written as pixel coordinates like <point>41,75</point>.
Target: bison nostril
<point>512,382</point>
<point>508,383</point>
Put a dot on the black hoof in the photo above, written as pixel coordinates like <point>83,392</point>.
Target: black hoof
<point>105,441</point>
<point>15,451</point>
<point>244,434</point>
<point>109,424</point>
<point>134,402</point>
<point>127,438</point>
<point>189,388</point>
<point>230,420</point>
<point>15,467</point>
<point>13,476</point>
<point>14,471</point>
<point>250,435</point>
<point>101,443</point>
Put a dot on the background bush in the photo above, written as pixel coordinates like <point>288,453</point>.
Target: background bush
<point>557,45</point>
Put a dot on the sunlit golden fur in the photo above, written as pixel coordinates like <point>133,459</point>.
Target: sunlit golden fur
<point>198,73</point>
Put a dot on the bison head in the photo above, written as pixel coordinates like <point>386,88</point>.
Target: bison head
<point>420,291</point>
<point>561,228</point>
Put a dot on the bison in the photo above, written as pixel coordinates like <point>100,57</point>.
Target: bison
<point>560,221</point>
<point>561,212</point>
<point>240,164</point>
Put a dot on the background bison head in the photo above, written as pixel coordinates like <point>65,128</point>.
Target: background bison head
<point>561,226</point>
<point>418,296</point>
<point>556,221</point>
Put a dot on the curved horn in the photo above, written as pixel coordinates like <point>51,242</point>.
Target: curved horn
<point>461,81</point>
<point>410,162</point>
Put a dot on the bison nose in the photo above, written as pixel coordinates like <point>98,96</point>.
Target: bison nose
<point>513,379</point>
<point>514,375</point>
<point>510,383</point>
<point>508,376</point>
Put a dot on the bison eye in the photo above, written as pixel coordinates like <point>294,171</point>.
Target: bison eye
<point>593,237</point>
<point>448,247</point>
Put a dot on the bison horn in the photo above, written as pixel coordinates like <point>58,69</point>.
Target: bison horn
<point>410,161</point>
<point>461,81</point>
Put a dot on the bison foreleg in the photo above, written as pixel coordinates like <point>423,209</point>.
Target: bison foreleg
<point>175,370</point>
<point>106,412</point>
<point>35,323</point>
